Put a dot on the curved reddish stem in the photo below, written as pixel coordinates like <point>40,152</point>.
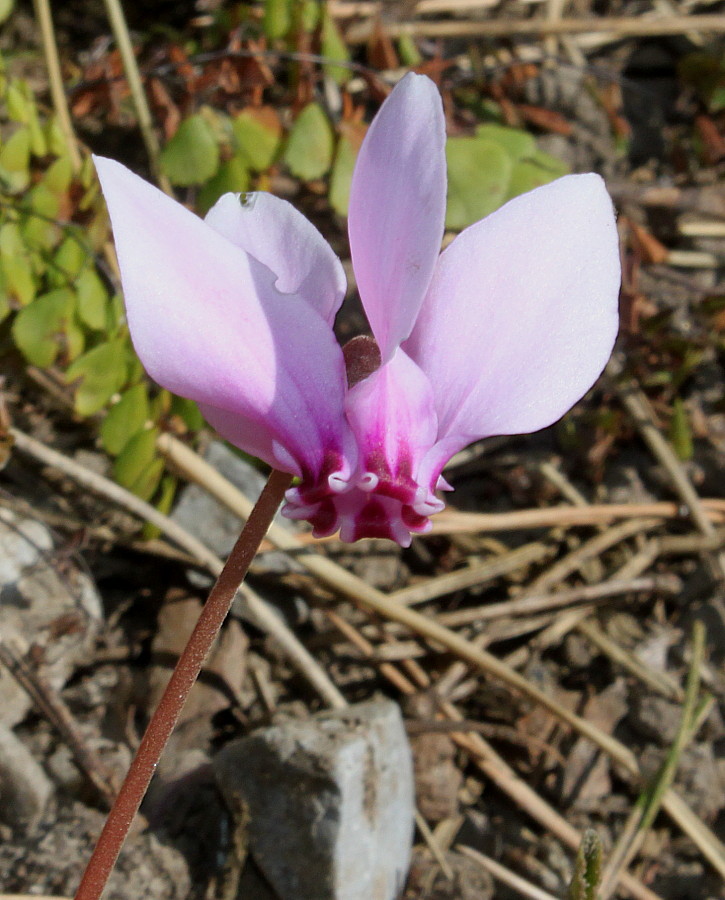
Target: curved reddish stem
<point>182,680</point>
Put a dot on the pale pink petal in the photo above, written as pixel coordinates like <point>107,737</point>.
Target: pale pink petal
<point>208,324</point>
<point>521,314</point>
<point>397,208</point>
<point>275,233</point>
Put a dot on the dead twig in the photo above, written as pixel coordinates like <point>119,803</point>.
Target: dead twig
<point>509,878</point>
<point>616,26</point>
<point>51,705</point>
<point>639,409</point>
<point>534,603</point>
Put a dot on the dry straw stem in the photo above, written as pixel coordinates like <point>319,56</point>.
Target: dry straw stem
<point>452,521</point>
<point>357,590</point>
<point>477,575</point>
<point>509,878</point>
<point>638,407</point>
<point>645,810</point>
<point>55,77</point>
<point>114,10</point>
<point>660,682</point>
<point>585,594</point>
<point>614,27</point>
<point>259,611</point>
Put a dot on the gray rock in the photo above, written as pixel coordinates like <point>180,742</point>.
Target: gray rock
<point>330,802</point>
<point>45,601</point>
<point>204,517</point>
<point>24,787</point>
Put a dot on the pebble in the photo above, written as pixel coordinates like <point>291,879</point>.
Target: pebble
<point>45,601</point>
<point>330,802</point>
<point>24,787</point>
<point>204,517</point>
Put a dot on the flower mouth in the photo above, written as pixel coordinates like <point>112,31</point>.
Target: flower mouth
<point>367,504</point>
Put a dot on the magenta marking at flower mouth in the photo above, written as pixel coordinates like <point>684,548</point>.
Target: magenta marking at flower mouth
<point>500,334</point>
<point>372,502</point>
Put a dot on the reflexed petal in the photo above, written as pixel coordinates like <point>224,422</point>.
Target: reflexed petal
<point>275,233</point>
<point>208,324</point>
<point>397,208</point>
<point>521,314</point>
<point>393,417</point>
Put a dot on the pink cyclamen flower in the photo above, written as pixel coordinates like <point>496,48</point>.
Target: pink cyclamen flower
<point>499,334</point>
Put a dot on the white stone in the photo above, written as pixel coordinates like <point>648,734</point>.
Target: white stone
<point>330,801</point>
<point>46,601</point>
<point>24,786</point>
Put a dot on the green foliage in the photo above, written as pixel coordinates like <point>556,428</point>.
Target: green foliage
<point>332,46</point>
<point>311,144</point>
<point>351,138</point>
<point>257,133</point>
<point>479,171</point>
<point>6,7</point>
<point>125,419</point>
<point>277,19</point>
<point>680,431</point>
<point>15,162</point>
<point>62,311</point>
<point>192,154</point>
<point>40,329</point>
<point>486,170</point>
<point>102,372</point>
<point>232,177</point>
<point>138,467</point>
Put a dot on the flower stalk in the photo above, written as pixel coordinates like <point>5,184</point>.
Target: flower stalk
<point>182,680</point>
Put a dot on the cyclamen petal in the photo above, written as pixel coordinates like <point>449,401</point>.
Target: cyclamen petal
<point>273,232</point>
<point>500,334</point>
<point>521,314</point>
<point>397,209</point>
<point>208,324</point>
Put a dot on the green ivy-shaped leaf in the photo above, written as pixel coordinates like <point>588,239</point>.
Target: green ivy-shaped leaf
<point>41,208</point>
<point>188,412</point>
<point>92,300</point>
<point>192,154</point>
<point>277,19</point>
<point>232,177</point>
<point>138,467</point>
<point>125,419</point>
<point>39,329</point>
<point>518,144</point>
<point>528,174</point>
<point>348,147</point>
<point>18,277</point>
<point>68,262</point>
<point>101,372</point>
<point>333,46</point>
<point>310,145</point>
<point>58,176</point>
<point>20,104</point>
<point>257,133</point>
<point>478,179</point>
<point>15,161</point>
<point>6,7</point>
